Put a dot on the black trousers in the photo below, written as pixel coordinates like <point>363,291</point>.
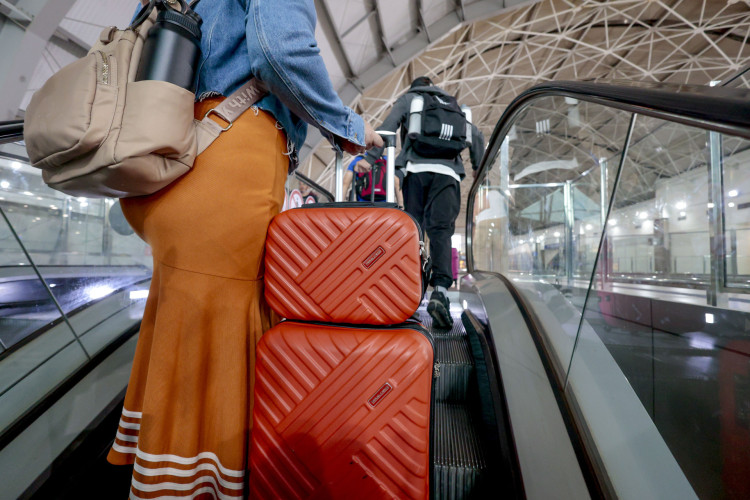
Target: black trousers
<point>434,200</point>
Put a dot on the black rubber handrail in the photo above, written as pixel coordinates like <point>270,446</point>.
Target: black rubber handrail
<point>11,131</point>
<point>317,187</point>
<point>720,109</point>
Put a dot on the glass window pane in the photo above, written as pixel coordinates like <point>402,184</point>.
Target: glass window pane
<point>679,410</point>
<point>538,214</point>
<point>659,228</point>
<point>736,198</point>
<point>84,248</point>
<point>25,303</point>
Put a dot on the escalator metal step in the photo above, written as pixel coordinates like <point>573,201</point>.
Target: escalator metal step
<point>458,458</point>
<point>426,320</point>
<point>456,367</point>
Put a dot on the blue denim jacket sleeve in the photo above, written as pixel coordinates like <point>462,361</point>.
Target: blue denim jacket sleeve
<point>284,54</point>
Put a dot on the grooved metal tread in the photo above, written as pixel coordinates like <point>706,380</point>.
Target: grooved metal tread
<point>452,350</point>
<point>426,320</point>
<point>456,368</point>
<point>458,457</point>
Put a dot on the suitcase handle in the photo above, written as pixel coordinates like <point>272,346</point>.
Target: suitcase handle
<point>338,192</point>
<point>390,179</point>
<point>390,176</point>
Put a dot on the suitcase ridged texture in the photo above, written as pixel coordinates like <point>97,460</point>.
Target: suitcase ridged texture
<point>316,431</point>
<point>343,265</point>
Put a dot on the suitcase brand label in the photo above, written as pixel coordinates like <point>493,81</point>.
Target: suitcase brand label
<point>379,395</point>
<point>373,257</point>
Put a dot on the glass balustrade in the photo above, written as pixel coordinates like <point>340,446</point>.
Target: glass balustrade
<point>626,235</point>
<point>73,278</point>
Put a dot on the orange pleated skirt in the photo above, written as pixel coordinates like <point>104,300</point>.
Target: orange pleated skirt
<point>188,410</point>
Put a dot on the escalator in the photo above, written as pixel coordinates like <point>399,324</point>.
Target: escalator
<point>72,292</point>
<point>553,383</point>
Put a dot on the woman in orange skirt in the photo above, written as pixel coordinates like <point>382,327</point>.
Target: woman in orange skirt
<point>192,378</point>
<point>187,416</point>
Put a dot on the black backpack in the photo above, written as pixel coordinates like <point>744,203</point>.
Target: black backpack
<point>443,130</point>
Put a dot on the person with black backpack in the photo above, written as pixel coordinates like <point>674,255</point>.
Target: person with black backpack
<point>435,129</point>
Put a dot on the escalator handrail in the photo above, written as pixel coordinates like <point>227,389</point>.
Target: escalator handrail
<point>317,187</point>
<point>743,72</point>
<point>720,109</point>
<point>11,131</point>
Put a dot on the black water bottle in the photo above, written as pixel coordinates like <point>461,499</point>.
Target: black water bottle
<point>172,49</point>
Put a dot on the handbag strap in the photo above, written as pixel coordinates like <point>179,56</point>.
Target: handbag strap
<point>228,111</point>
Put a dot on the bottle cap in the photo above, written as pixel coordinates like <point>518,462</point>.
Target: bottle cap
<point>191,24</point>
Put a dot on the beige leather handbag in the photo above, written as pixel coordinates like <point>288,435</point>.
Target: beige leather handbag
<point>96,132</point>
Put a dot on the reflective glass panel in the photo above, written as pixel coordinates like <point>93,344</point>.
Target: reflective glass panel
<point>84,248</point>
<point>658,230</point>
<point>25,303</point>
<point>735,158</point>
<point>680,411</point>
<point>538,213</point>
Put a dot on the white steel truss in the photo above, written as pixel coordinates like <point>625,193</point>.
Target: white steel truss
<point>488,63</point>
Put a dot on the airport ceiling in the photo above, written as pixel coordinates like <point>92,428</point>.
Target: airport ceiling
<point>484,51</point>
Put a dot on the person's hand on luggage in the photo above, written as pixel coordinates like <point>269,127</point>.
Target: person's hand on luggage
<point>362,166</point>
<point>372,140</point>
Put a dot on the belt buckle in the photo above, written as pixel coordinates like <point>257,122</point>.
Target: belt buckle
<point>214,111</point>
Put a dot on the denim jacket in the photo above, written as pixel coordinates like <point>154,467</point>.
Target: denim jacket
<point>275,42</point>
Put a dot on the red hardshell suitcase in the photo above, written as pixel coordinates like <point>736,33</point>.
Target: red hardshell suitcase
<point>342,412</point>
<point>344,263</point>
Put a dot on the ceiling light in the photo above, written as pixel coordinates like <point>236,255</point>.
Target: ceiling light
<point>683,214</point>
<point>730,204</point>
<point>643,215</point>
<point>612,222</point>
<point>15,165</point>
<point>711,205</point>
<point>680,205</point>
<point>557,234</point>
<point>4,184</point>
<point>589,227</point>
<point>733,193</point>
